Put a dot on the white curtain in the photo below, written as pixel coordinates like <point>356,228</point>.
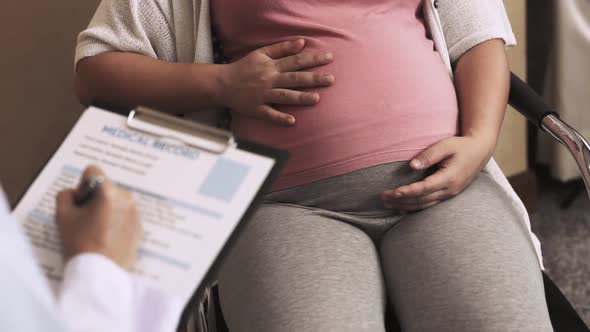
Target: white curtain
<point>568,82</point>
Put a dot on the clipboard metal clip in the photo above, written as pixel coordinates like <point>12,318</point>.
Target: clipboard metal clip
<point>193,134</point>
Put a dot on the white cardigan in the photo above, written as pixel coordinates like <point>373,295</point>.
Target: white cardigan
<point>180,31</point>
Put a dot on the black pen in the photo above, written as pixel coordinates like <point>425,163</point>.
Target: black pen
<point>88,189</point>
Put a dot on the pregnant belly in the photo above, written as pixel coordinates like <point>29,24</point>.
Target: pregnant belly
<point>381,101</point>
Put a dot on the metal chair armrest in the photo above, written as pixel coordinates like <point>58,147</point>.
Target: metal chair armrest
<point>526,101</point>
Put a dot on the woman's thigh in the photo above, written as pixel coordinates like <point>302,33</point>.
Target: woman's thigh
<point>466,264</point>
<point>293,270</point>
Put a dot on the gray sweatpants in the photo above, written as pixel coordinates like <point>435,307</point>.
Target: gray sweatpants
<point>324,256</point>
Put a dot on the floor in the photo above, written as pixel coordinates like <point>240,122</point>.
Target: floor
<point>565,238</point>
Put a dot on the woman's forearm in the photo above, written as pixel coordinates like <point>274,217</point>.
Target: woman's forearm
<point>127,79</point>
<point>482,80</point>
<point>271,75</point>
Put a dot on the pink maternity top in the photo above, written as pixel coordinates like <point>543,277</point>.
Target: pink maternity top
<point>392,98</point>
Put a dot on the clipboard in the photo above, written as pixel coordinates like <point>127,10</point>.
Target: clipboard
<point>217,141</point>
<point>178,132</point>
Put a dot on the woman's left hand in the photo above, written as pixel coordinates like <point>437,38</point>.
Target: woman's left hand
<point>459,159</point>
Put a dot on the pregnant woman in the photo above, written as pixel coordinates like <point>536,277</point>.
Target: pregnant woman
<point>383,197</point>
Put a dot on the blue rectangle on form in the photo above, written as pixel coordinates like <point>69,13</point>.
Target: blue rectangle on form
<point>225,179</point>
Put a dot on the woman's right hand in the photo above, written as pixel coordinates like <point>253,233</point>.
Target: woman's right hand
<point>270,76</point>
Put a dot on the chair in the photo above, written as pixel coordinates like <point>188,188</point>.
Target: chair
<point>564,317</point>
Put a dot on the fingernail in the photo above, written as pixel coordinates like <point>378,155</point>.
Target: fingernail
<point>291,121</point>
<point>417,163</point>
<point>328,79</point>
<point>329,56</point>
<point>398,194</point>
<point>314,97</point>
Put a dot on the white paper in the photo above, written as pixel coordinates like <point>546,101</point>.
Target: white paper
<point>189,200</point>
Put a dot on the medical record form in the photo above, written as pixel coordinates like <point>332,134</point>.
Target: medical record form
<point>191,190</point>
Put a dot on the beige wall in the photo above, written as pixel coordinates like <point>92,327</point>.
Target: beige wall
<point>36,83</point>
<point>511,152</point>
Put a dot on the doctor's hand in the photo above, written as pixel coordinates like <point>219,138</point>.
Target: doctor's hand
<point>108,224</point>
<point>273,75</point>
<point>459,160</point>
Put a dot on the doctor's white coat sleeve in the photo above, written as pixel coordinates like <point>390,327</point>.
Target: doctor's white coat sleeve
<point>26,303</point>
<point>97,295</point>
